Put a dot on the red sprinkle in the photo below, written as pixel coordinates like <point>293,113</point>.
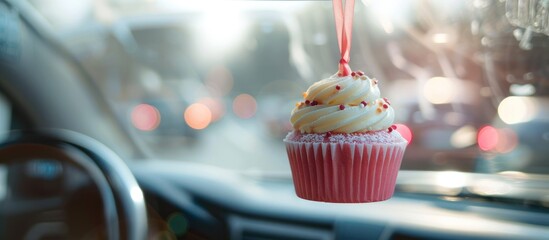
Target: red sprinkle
<point>394,127</point>
<point>338,87</point>
<point>360,73</point>
<point>385,106</point>
<point>389,130</point>
<point>353,74</point>
<point>314,103</point>
<point>387,101</point>
<point>365,103</point>
<point>341,107</point>
<point>328,134</point>
<point>307,102</point>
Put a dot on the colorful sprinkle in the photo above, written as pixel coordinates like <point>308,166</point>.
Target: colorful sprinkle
<point>304,94</point>
<point>353,74</point>
<point>314,103</point>
<point>394,127</point>
<point>385,106</point>
<point>365,103</point>
<point>360,73</point>
<point>338,87</point>
<point>389,130</point>
<point>363,78</point>
<point>307,102</point>
<point>387,101</point>
<point>378,110</point>
<point>341,107</point>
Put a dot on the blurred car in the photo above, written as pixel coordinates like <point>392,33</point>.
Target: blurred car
<point>443,141</point>
<point>164,119</point>
<point>520,142</point>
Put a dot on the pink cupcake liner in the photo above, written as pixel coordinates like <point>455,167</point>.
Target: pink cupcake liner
<point>345,172</point>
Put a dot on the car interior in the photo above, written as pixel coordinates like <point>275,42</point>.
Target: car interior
<point>136,119</point>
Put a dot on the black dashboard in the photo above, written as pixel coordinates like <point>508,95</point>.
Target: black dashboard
<point>194,201</point>
<point>219,204</point>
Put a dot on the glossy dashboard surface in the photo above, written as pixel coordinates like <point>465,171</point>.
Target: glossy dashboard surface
<point>245,207</point>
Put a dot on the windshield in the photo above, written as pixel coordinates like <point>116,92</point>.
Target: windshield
<point>215,82</point>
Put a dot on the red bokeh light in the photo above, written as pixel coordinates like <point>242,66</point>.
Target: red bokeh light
<point>507,140</point>
<point>487,138</point>
<point>405,132</point>
<point>145,117</point>
<point>244,106</point>
<point>503,140</point>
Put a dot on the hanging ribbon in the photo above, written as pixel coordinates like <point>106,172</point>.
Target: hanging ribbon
<point>344,26</point>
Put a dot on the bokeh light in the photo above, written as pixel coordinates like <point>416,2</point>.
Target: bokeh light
<point>522,89</point>
<point>513,174</point>
<point>198,116</point>
<point>244,106</point>
<point>487,138</point>
<point>500,140</point>
<point>216,106</point>
<point>145,117</point>
<point>464,136</point>
<point>178,224</point>
<point>451,179</point>
<point>490,187</point>
<point>405,131</point>
<point>220,30</point>
<point>440,90</point>
<point>515,109</point>
<point>507,140</point>
<point>440,38</point>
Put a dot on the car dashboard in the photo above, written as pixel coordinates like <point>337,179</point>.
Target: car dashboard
<point>219,204</point>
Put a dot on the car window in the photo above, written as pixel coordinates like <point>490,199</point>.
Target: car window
<point>216,83</point>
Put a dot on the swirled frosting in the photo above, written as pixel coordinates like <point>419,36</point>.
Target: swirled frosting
<point>348,104</point>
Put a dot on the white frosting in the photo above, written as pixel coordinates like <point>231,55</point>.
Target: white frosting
<point>336,104</point>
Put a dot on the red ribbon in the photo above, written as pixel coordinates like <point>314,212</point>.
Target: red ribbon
<point>344,26</point>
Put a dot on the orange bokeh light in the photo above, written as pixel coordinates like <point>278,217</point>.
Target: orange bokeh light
<point>244,106</point>
<point>198,116</point>
<point>145,117</point>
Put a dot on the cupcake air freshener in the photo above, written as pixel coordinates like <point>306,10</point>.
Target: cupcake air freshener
<point>343,147</point>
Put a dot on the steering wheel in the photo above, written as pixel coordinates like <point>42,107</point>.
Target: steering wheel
<point>120,193</point>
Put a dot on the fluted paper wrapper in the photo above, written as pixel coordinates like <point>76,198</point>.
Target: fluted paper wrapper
<point>345,172</point>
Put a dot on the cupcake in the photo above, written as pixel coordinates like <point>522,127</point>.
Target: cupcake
<point>344,147</point>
